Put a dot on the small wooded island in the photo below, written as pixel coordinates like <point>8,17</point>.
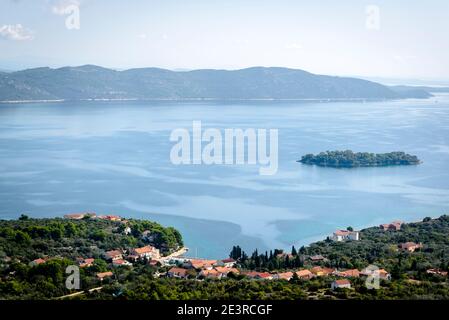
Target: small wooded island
<point>350,159</point>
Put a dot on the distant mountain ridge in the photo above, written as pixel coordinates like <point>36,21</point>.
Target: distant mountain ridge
<point>94,82</point>
<point>403,88</point>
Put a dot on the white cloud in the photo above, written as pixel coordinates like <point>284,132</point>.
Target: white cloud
<point>142,36</point>
<point>61,7</point>
<point>15,32</point>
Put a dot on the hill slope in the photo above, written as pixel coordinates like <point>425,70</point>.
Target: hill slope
<point>93,82</point>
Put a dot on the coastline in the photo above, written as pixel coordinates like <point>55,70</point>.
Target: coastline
<point>313,239</point>
<point>377,188</point>
<point>207,99</point>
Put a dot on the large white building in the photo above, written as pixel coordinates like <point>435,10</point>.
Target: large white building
<point>146,252</point>
<point>343,235</point>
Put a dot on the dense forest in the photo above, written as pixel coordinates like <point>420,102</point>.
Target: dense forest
<point>60,242</point>
<point>350,159</point>
<point>27,239</point>
<point>145,288</point>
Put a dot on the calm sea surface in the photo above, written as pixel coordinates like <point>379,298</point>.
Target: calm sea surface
<point>113,157</point>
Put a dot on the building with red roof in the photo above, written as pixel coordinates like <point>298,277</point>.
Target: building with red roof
<point>176,272</point>
<point>341,284</point>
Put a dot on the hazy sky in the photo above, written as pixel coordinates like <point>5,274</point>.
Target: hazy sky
<point>408,40</point>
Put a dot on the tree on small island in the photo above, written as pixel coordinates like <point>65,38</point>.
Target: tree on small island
<point>350,159</point>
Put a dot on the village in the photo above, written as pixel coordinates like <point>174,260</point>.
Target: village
<point>177,265</point>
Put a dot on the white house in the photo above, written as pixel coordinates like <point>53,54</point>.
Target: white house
<point>343,235</point>
<point>146,252</point>
<point>374,272</point>
<point>340,284</point>
<point>113,255</point>
<point>176,272</point>
<point>229,263</point>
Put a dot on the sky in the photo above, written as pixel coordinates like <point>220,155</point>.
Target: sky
<point>388,38</point>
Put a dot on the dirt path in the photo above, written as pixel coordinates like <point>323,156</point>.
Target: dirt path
<point>79,293</point>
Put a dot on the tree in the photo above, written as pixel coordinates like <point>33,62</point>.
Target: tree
<point>294,278</point>
<point>99,266</point>
<point>350,228</point>
<point>236,253</point>
<point>23,217</point>
<point>294,252</point>
<point>298,261</point>
<point>99,235</point>
<point>22,237</point>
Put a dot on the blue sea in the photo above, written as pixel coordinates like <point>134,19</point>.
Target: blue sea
<point>114,158</point>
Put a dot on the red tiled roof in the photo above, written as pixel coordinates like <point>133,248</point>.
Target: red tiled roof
<point>285,275</point>
<point>304,273</point>
<point>226,270</point>
<point>113,253</point>
<point>328,270</point>
<point>85,262</point>
<point>350,273</point>
<point>316,270</point>
<point>255,274</point>
<point>102,275</point>
<point>251,274</point>
<point>143,250</point>
<point>342,282</point>
<point>109,217</point>
<point>38,261</point>
<point>210,273</point>
<point>264,275</point>
<point>202,263</point>
<point>341,232</point>
<point>394,224</point>
<point>178,271</point>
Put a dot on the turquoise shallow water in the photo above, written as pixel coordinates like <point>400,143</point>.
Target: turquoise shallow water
<point>113,157</point>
